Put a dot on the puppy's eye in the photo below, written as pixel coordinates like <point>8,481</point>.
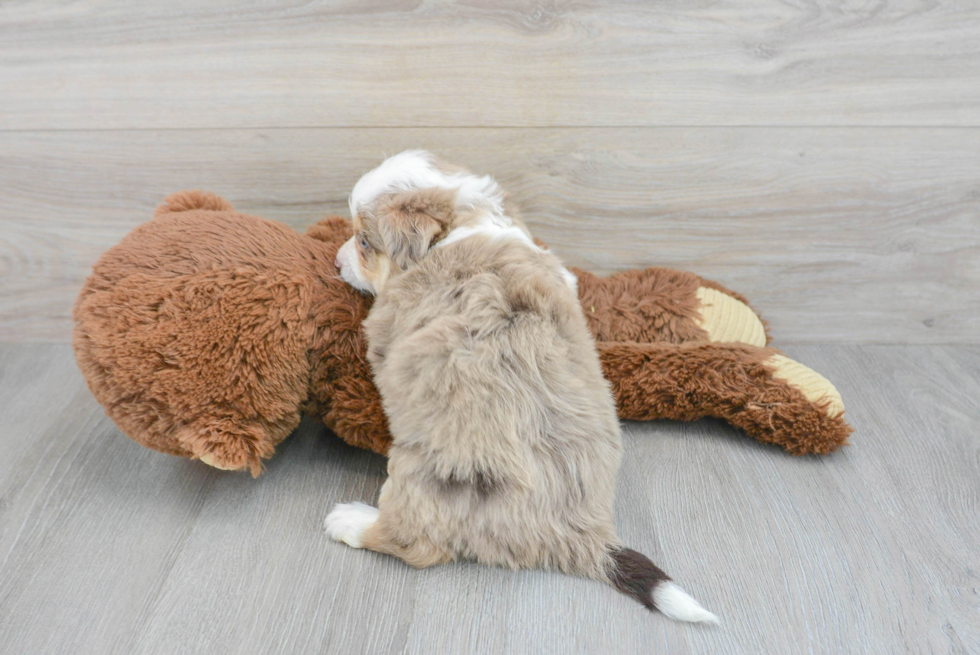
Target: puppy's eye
<point>363,242</point>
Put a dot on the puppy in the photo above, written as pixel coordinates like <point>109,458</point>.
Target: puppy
<point>506,442</point>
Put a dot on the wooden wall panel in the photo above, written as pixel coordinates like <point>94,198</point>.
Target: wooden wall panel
<point>836,235</point>
<point>131,64</point>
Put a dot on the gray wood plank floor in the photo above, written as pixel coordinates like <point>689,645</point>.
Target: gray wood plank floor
<point>106,547</point>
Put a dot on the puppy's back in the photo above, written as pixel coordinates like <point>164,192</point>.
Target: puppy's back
<point>486,328</point>
<point>496,399</point>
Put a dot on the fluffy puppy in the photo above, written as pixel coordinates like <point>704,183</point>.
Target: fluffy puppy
<point>506,442</point>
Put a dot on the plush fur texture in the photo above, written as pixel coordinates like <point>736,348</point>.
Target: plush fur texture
<point>206,333</point>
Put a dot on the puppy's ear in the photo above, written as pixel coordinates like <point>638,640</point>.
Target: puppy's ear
<point>411,222</point>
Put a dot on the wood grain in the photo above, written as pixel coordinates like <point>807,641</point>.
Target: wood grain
<point>836,235</point>
<point>126,64</point>
<point>107,547</point>
<point>820,156</point>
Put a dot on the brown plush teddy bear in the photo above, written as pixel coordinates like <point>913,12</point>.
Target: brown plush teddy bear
<point>207,333</point>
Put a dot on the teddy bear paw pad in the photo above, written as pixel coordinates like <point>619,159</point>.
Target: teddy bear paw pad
<point>817,389</point>
<point>213,462</point>
<point>728,320</point>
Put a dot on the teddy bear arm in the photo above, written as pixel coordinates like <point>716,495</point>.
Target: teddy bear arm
<point>231,444</point>
<point>758,390</point>
<point>355,414</point>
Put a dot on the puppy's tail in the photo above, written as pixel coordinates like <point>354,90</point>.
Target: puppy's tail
<point>635,575</point>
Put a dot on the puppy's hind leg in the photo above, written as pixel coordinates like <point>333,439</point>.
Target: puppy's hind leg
<point>362,526</point>
<point>348,522</point>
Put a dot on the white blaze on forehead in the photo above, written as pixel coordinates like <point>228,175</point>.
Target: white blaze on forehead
<point>413,169</point>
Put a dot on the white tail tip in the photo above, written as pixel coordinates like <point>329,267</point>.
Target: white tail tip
<point>673,602</point>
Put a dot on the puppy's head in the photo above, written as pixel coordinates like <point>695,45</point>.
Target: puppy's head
<point>402,208</point>
<point>396,233</point>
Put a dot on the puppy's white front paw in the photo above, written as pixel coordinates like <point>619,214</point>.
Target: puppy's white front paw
<point>348,521</point>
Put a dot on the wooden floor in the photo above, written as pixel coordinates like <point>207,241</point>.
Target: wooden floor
<point>109,548</point>
<point>820,156</point>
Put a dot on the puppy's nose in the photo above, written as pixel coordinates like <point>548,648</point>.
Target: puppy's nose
<point>336,262</point>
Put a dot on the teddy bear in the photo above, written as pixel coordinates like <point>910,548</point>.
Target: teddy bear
<point>207,333</point>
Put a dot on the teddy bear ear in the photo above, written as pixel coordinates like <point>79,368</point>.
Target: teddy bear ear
<point>411,222</point>
<point>332,229</point>
<point>183,201</point>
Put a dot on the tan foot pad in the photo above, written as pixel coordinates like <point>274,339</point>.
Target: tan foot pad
<point>728,320</point>
<point>209,460</point>
<point>811,384</point>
